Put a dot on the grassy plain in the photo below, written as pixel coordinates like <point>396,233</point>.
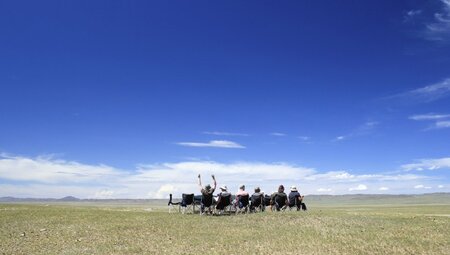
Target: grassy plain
<point>351,226</point>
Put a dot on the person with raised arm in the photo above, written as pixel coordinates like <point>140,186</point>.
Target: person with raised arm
<point>207,194</point>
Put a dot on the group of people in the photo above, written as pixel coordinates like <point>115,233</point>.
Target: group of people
<point>277,201</point>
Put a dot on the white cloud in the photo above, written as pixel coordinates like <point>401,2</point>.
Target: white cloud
<point>214,143</point>
<point>420,186</point>
<point>429,116</point>
<point>48,170</point>
<point>50,177</point>
<point>277,134</point>
<point>224,133</point>
<point>427,164</point>
<point>440,186</point>
<point>333,175</point>
<point>360,187</point>
<point>383,188</point>
<point>304,138</point>
<point>163,191</point>
<point>45,177</point>
<point>254,171</point>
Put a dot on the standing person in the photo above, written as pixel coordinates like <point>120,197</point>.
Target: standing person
<point>279,199</point>
<point>207,193</point>
<point>295,199</point>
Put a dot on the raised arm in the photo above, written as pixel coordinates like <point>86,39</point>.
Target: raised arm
<point>214,182</point>
<point>200,182</point>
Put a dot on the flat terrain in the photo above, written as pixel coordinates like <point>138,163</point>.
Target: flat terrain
<point>395,225</point>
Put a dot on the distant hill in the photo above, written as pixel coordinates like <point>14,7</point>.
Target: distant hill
<point>7,199</point>
<point>16,199</point>
<point>69,198</point>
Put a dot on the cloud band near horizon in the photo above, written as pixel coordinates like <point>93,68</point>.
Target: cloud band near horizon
<point>48,177</point>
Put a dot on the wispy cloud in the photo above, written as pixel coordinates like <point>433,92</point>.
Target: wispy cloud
<point>277,134</point>
<point>362,130</point>
<point>224,133</point>
<point>214,144</point>
<point>383,189</point>
<point>39,177</point>
<point>442,124</point>
<point>427,164</point>
<point>304,138</point>
<point>411,14</point>
<point>425,94</point>
<point>429,116</point>
<point>340,138</point>
<point>440,120</point>
<point>431,92</point>
<point>439,28</point>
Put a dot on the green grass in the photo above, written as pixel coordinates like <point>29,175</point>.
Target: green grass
<point>134,229</point>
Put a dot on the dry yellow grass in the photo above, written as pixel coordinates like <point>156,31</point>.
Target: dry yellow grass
<point>76,229</point>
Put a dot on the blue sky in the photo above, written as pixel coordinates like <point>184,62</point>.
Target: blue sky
<point>132,99</point>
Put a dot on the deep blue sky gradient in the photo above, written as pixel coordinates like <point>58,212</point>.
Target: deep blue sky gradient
<point>122,82</point>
